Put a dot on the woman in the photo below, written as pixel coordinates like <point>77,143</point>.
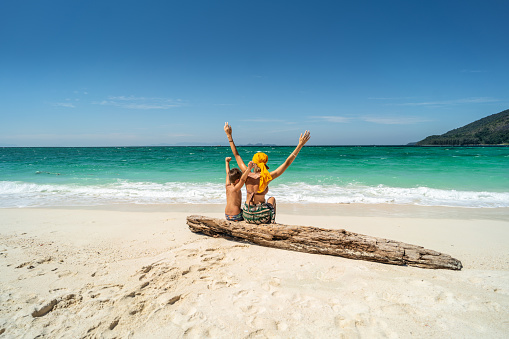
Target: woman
<point>256,210</point>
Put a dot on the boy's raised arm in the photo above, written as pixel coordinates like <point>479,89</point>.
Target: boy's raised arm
<point>280,170</point>
<point>227,163</point>
<point>243,178</point>
<point>228,131</point>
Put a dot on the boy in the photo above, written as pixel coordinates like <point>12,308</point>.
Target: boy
<point>235,179</point>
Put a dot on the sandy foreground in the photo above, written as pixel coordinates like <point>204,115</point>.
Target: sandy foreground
<point>138,272</point>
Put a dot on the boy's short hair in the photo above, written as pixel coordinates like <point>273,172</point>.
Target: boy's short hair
<point>234,175</point>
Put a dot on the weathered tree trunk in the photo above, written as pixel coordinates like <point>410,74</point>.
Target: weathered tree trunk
<point>325,241</point>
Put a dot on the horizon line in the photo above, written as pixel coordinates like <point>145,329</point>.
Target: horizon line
<point>357,145</point>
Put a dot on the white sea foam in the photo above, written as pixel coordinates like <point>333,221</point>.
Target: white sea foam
<point>20,194</point>
<point>299,193</point>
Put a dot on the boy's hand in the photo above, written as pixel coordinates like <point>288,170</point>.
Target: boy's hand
<point>304,138</point>
<point>227,159</point>
<point>227,129</point>
<point>250,165</point>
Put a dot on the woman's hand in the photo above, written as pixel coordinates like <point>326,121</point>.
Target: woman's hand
<point>227,159</point>
<point>304,138</point>
<point>228,129</point>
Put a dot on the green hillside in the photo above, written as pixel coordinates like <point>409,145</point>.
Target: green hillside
<point>492,130</point>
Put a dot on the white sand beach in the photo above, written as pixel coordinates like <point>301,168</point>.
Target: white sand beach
<point>138,272</point>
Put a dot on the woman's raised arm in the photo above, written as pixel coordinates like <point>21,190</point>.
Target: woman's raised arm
<point>240,162</point>
<point>280,170</point>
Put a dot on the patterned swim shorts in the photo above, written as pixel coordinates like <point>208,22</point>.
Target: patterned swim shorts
<point>259,214</point>
<point>237,217</point>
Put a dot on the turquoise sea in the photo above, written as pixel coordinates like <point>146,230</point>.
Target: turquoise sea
<point>431,176</point>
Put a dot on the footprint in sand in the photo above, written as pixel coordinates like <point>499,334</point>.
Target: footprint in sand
<point>114,323</point>
<point>65,273</point>
<point>349,324</point>
<point>23,264</point>
<point>104,292</point>
<point>253,309</point>
<point>272,285</point>
<point>260,322</point>
<point>336,306</point>
<point>199,333</point>
<point>189,319</point>
<point>164,299</point>
<point>174,299</point>
<point>214,285</point>
<point>57,303</point>
<point>282,326</point>
<point>363,325</point>
<point>44,309</point>
<point>189,253</point>
<point>102,271</point>
<point>137,308</point>
<point>305,301</point>
<point>212,258</point>
<point>69,300</point>
<point>446,298</point>
<point>241,293</point>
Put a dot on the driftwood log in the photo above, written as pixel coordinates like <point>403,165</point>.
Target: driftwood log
<point>325,241</point>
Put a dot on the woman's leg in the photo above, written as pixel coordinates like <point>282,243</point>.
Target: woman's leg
<point>272,201</point>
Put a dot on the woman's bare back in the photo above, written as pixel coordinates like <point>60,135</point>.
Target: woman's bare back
<point>252,187</point>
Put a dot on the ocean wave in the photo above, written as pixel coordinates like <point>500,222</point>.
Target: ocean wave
<point>22,194</point>
<point>423,196</point>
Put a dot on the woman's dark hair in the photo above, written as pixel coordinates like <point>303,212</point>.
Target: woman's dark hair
<point>257,169</point>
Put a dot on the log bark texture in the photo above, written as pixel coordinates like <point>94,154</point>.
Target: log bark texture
<point>325,241</point>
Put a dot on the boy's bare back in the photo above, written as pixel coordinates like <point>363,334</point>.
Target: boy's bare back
<point>233,200</point>
<point>233,190</point>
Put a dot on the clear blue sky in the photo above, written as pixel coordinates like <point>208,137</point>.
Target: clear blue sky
<point>104,73</point>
